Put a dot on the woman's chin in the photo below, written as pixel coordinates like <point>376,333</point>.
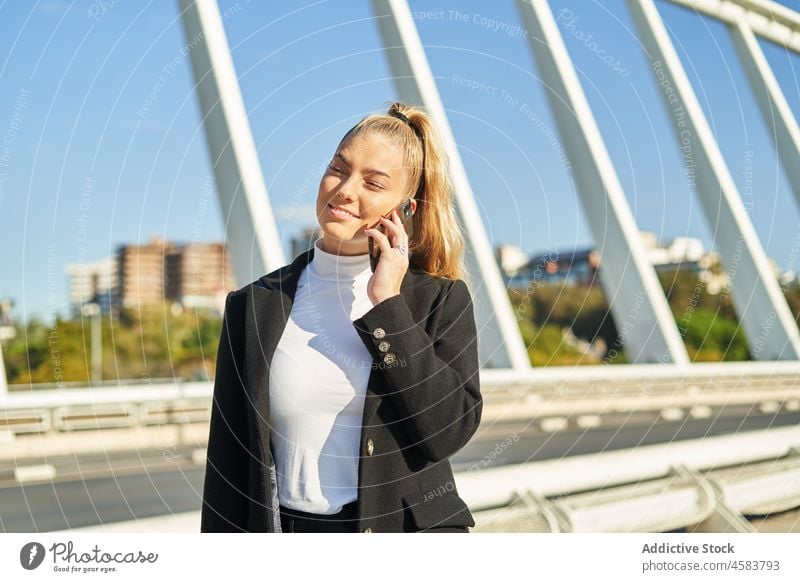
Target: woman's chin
<point>337,232</point>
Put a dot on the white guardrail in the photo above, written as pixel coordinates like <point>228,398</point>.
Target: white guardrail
<point>583,389</point>
<point>703,485</point>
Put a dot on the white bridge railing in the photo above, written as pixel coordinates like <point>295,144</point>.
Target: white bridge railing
<point>704,485</point>
<point>508,394</point>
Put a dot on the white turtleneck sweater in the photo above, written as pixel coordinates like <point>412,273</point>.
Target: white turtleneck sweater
<point>318,378</point>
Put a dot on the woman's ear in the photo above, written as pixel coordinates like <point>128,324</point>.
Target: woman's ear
<point>413,206</point>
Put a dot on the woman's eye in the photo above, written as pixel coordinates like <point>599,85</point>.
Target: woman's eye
<point>338,171</point>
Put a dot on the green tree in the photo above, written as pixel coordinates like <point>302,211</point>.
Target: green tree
<point>147,342</point>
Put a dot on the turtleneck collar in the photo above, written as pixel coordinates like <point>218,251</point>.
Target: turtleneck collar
<point>338,267</point>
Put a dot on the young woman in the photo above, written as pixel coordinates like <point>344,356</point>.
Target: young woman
<point>341,393</point>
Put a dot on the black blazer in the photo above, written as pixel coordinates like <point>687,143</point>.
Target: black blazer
<point>423,403</point>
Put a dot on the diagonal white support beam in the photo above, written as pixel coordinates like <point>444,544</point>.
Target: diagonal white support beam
<point>769,20</point>
<point>772,103</point>
<point>254,244</point>
<point>761,307</point>
<point>501,344</point>
<point>649,331</point>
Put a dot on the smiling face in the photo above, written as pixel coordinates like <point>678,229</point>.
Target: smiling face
<point>365,179</point>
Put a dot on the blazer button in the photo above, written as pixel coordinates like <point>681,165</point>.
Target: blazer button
<point>383,346</point>
<point>367,530</point>
<point>378,333</point>
<point>370,446</point>
<point>389,358</point>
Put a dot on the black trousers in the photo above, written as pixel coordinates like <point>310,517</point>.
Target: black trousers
<point>296,521</point>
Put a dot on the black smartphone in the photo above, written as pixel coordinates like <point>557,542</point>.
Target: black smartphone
<point>406,216</point>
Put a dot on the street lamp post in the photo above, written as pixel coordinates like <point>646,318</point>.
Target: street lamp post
<point>93,310</point>
<point>7,332</point>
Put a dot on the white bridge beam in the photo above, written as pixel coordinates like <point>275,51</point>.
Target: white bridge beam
<point>255,247</point>
<point>501,344</point>
<point>760,305</point>
<point>640,309</point>
<point>772,103</point>
<point>767,19</point>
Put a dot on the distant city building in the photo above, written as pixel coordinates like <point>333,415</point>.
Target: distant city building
<point>198,274</point>
<point>191,274</point>
<point>141,270</point>
<point>511,259</point>
<point>680,250</point>
<point>92,283</point>
<point>688,254</point>
<point>7,324</point>
<point>788,278</point>
<point>571,267</point>
<point>579,266</point>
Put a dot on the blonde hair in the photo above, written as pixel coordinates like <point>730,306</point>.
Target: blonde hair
<point>437,245</point>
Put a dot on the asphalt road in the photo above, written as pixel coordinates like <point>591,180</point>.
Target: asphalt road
<point>121,486</point>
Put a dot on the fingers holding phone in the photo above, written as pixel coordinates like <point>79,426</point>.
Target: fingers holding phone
<point>391,235</point>
<point>405,211</point>
<point>390,270</point>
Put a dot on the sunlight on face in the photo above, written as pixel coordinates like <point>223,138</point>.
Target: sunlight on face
<point>365,179</point>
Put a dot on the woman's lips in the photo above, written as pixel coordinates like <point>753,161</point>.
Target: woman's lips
<point>342,215</point>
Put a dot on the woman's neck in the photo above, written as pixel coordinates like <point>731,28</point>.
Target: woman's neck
<point>339,267</point>
<point>342,248</point>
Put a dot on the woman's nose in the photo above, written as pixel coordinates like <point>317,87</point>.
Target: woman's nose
<point>343,199</point>
<point>345,191</point>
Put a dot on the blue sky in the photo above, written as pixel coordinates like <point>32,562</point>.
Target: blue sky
<point>85,172</point>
